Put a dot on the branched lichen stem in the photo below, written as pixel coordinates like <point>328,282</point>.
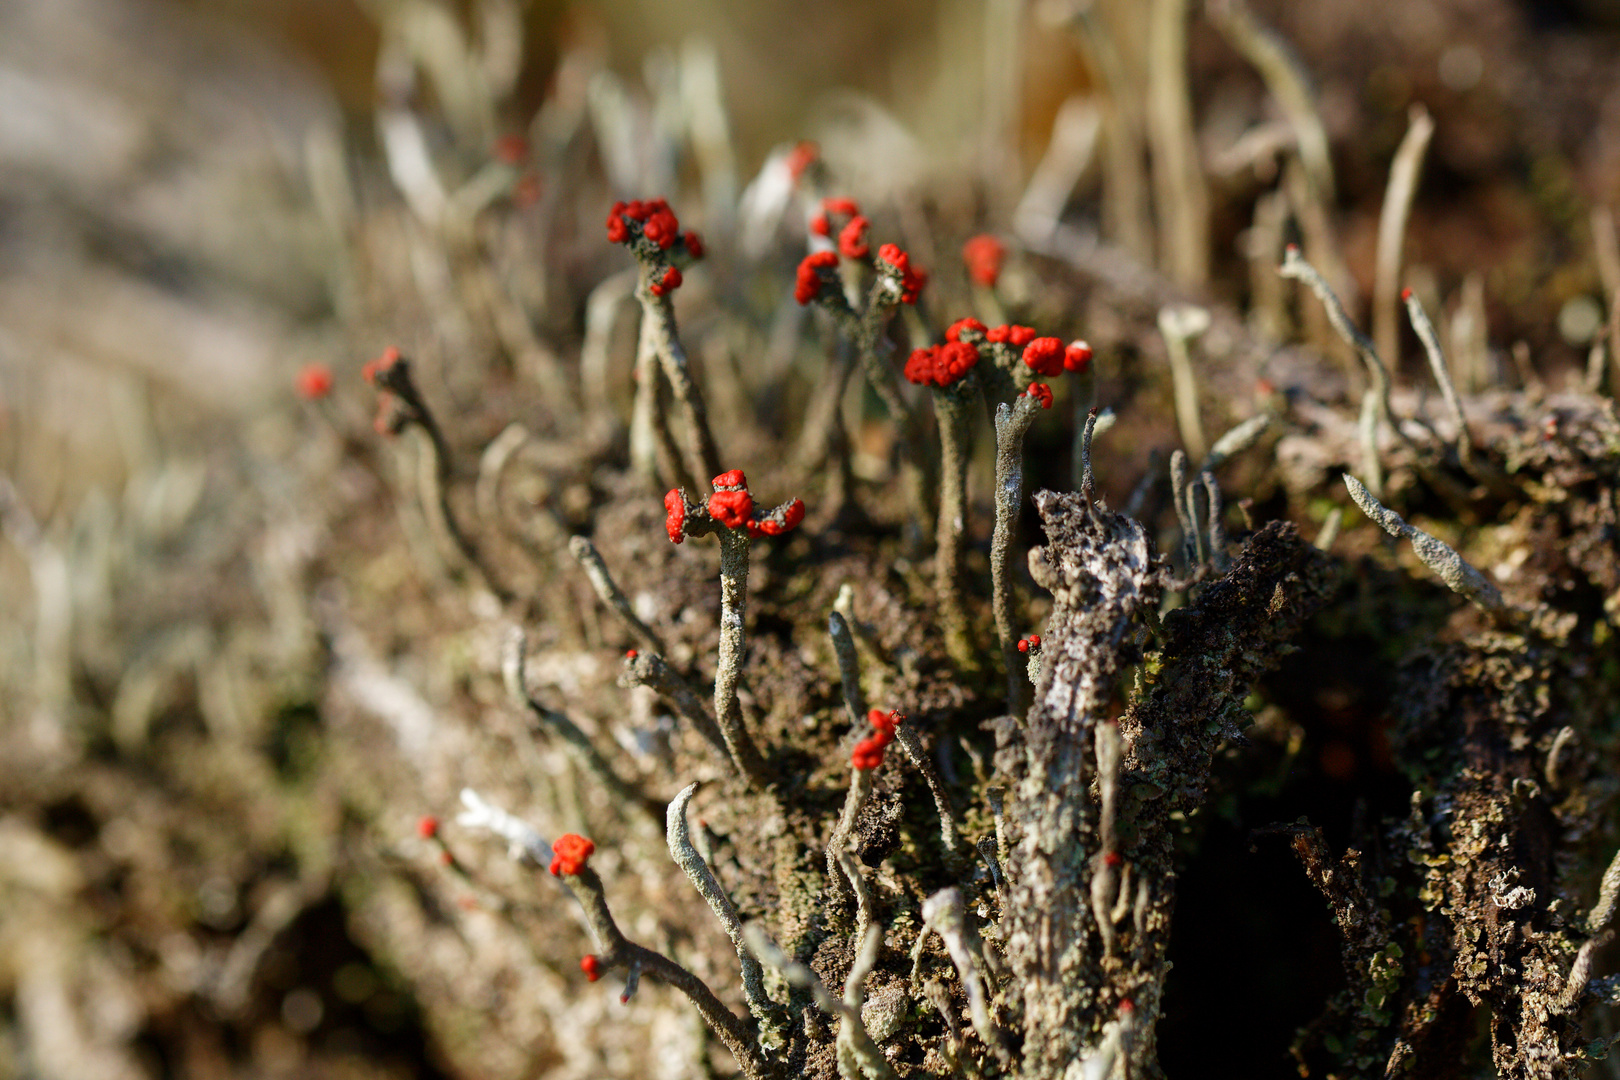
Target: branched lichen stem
<point>1459,576</point>
<point>513,667</point>
<point>651,669</point>
<point>702,457</point>
<point>679,837</point>
<point>608,591</point>
<point>616,950</point>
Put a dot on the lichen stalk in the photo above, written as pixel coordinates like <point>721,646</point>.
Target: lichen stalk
<point>659,311</point>
<point>513,670</point>
<point>608,591</point>
<point>678,835</point>
<point>734,548</point>
<point>951,406</point>
<point>1012,423</point>
<point>616,950</point>
<point>652,670</point>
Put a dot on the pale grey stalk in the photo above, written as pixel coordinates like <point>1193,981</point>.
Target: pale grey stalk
<point>522,841</point>
<point>491,467</point>
<point>855,1048</point>
<point>1181,194</point>
<point>1235,441</point>
<point>1451,567</point>
<point>602,309</point>
<point>702,457</point>
<point>1012,422</point>
<point>652,670</point>
<point>1442,375</point>
<point>860,790</point>
<point>1403,177</point>
<point>617,950</point>
<point>1295,266</point>
<point>1127,210</point>
<point>1608,897</point>
<point>1330,529</point>
<point>951,407</point>
<point>1268,306</point>
<point>1285,78</point>
<point>1216,524</point>
<point>433,472</point>
<point>1105,881</point>
<point>867,1057</point>
<point>849,668</point>
<point>1367,427</point>
<point>1580,972</point>
<point>1180,325</point>
<point>1561,742</point>
<point>513,665</point>
<point>912,744</point>
<point>679,837</point>
<point>943,911</point>
<point>1179,491</point>
<point>734,545</point>
<point>1198,510</point>
<point>1088,431</point>
<point>649,429</point>
<point>608,591</point>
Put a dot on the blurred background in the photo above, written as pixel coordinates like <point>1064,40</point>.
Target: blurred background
<point>210,654</point>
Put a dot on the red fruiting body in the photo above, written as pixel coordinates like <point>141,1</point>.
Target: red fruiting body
<point>731,508</point>
<point>808,285</point>
<point>658,222</point>
<point>569,853</point>
<point>592,967</point>
<point>668,283</point>
<point>511,149</point>
<point>630,654</point>
<point>983,255</point>
<point>839,205</point>
<point>694,244</point>
<point>820,225</point>
<point>618,231</point>
<point>868,753</point>
<point>1126,1005</point>
<point>800,158</point>
<point>675,515</point>
<point>1023,645</point>
<point>911,279</point>
<point>446,859</point>
<point>941,365</point>
<point>373,368</point>
<point>1406,293</point>
<point>314,381</point>
<point>1112,858</point>
<point>781,520</point>
<point>852,238</point>
<point>1076,356</point>
<point>954,333</point>
<point>730,480</point>
<point>1045,356</point>
<point>1016,336</point>
<point>1041,393</point>
<point>1034,641</point>
<point>427,827</point>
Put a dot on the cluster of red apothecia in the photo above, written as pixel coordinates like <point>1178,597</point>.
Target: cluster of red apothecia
<point>732,506</point>
<point>868,753</point>
<point>569,853</point>
<point>944,365</point>
<point>655,224</point>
